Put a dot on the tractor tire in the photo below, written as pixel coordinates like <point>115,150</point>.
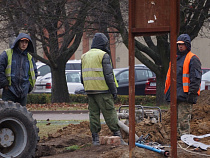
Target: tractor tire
<point>18,131</point>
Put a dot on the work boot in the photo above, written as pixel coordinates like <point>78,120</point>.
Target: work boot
<point>118,133</point>
<point>95,139</point>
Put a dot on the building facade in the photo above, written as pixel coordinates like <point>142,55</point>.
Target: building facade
<point>200,47</point>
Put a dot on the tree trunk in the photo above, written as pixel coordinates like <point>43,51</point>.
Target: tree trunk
<point>160,86</point>
<point>59,92</point>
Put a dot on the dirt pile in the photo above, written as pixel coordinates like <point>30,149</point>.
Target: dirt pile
<point>80,135</point>
<point>200,123</point>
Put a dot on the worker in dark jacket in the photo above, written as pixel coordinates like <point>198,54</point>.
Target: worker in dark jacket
<point>188,82</point>
<point>99,84</point>
<point>18,70</point>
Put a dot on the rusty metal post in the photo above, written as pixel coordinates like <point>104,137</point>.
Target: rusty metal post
<point>131,46</point>
<point>131,95</point>
<point>154,17</point>
<point>174,24</point>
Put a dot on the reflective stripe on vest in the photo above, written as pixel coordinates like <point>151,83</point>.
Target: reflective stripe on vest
<point>185,76</point>
<point>32,78</point>
<point>92,70</point>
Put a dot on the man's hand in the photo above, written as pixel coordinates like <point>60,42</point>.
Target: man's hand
<point>6,88</point>
<point>114,96</point>
<point>191,98</point>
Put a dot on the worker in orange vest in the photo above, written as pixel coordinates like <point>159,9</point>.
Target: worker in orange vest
<point>188,82</point>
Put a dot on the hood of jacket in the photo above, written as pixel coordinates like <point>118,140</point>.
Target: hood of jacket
<point>100,41</point>
<point>186,39</point>
<point>30,47</point>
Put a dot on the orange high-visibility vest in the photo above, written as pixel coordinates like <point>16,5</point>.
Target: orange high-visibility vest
<point>185,76</point>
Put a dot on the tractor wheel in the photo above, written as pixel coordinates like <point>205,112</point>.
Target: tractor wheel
<point>18,131</point>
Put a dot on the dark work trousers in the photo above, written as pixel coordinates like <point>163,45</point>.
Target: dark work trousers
<point>105,104</point>
<point>7,95</point>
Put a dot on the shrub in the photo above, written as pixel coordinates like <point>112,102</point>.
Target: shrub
<point>121,99</point>
<point>39,98</point>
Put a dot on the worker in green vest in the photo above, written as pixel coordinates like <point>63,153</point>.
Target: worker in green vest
<point>100,86</point>
<point>18,70</point>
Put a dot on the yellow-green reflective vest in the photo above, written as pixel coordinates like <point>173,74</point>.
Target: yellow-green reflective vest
<point>92,71</point>
<point>32,78</point>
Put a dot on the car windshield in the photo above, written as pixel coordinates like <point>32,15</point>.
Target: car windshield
<point>43,70</point>
<point>73,77</point>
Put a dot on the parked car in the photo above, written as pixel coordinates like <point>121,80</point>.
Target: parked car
<point>204,70</point>
<point>44,84</point>
<point>150,88</point>
<point>43,69</point>
<point>142,74</point>
<point>205,81</point>
<point>145,81</point>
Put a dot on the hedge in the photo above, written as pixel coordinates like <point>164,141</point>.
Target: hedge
<point>121,99</point>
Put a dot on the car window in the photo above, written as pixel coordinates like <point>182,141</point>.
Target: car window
<point>141,75</point>
<point>44,70</point>
<point>123,77</point>
<point>150,74</point>
<point>73,77</point>
<point>73,66</point>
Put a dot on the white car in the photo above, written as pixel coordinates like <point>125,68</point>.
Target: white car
<point>43,69</point>
<point>205,81</point>
<point>44,84</point>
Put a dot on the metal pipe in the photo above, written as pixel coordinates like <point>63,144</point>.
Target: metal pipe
<point>163,152</point>
<point>126,129</point>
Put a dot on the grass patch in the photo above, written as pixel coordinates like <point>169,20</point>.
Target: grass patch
<point>72,148</point>
<point>76,147</point>
<point>50,127</point>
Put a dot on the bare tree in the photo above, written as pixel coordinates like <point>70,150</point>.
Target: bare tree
<point>56,24</point>
<point>193,14</point>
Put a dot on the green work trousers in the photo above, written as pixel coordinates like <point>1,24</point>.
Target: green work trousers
<point>102,103</point>
<point>184,111</point>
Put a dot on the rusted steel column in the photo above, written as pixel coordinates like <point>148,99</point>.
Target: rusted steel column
<point>131,95</point>
<point>131,83</point>
<point>174,15</point>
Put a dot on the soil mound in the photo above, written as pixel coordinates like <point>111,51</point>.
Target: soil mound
<point>80,135</point>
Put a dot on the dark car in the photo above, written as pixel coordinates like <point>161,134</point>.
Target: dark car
<point>145,81</point>
<point>142,74</point>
